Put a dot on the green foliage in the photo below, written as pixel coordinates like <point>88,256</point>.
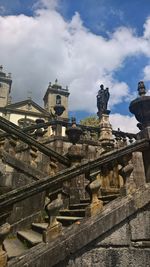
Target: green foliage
<point>90,121</point>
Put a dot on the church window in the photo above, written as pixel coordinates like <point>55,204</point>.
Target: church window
<point>58,100</point>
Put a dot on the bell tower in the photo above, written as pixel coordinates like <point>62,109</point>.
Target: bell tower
<point>5,87</point>
<point>56,95</point>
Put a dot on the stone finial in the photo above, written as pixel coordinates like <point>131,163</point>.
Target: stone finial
<point>56,81</point>
<point>74,132</point>
<point>141,88</point>
<point>1,68</point>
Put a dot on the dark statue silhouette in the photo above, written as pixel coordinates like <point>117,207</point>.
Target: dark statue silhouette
<point>102,101</point>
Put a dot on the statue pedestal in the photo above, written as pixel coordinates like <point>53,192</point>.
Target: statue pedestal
<point>106,138</point>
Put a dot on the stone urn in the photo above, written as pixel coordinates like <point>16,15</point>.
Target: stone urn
<point>140,107</point>
<point>74,132</point>
<point>59,109</point>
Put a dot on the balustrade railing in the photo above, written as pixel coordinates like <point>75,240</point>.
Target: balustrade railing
<point>108,167</point>
<point>108,173</point>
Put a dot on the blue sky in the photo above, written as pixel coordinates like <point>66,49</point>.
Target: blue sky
<point>83,44</point>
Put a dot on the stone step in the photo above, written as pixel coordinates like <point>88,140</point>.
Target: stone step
<point>110,191</point>
<point>29,237</point>
<point>39,227</point>
<point>105,199</point>
<point>78,206</point>
<point>14,247</point>
<point>68,220</point>
<point>87,201</point>
<point>74,212</point>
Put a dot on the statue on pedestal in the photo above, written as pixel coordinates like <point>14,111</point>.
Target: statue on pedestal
<point>102,101</point>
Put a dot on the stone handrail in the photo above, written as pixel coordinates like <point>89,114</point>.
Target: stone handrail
<point>82,235</point>
<point>21,166</point>
<point>118,133</point>
<point>11,128</point>
<point>53,182</point>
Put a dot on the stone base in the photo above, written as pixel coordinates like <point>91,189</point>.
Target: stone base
<point>127,190</point>
<point>3,258</point>
<point>93,209</point>
<point>52,232</point>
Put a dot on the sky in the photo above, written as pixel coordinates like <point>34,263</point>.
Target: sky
<point>82,43</point>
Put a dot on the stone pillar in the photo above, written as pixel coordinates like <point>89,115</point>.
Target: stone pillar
<point>75,155</point>
<point>58,130</point>
<point>140,107</point>
<point>145,134</point>
<point>58,145</point>
<point>106,139</point>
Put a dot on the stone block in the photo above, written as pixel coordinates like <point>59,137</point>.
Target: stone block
<point>140,225</point>
<point>111,257</point>
<point>119,237</point>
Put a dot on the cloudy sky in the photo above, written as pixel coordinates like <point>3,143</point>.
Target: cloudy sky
<point>82,43</point>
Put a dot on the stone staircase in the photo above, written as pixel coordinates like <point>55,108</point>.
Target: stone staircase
<point>18,244</point>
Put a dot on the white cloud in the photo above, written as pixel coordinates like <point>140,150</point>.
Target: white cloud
<point>147,29</point>
<point>147,73</point>
<point>124,123</point>
<point>38,49</point>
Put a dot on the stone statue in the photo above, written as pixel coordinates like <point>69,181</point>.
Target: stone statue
<point>102,100</point>
<point>141,88</point>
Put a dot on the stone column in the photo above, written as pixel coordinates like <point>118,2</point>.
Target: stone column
<point>75,154</point>
<point>106,139</point>
<point>140,107</point>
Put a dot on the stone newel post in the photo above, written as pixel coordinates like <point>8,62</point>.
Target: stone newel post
<point>140,107</point>
<point>75,154</point>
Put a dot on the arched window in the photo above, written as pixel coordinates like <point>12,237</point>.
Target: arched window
<point>58,100</point>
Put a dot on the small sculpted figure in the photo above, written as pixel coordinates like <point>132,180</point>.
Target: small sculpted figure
<point>102,100</point>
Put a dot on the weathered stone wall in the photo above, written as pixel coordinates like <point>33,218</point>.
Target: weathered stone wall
<point>119,236</point>
<point>112,257</point>
<point>126,245</point>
